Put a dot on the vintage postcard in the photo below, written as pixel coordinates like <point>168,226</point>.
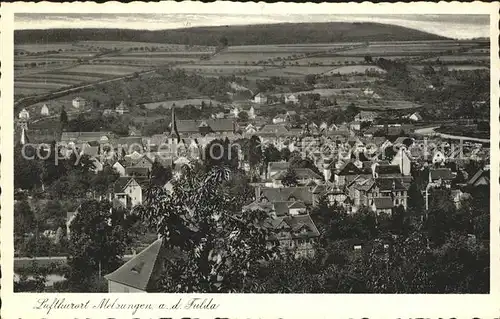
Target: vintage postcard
<point>250,160</point>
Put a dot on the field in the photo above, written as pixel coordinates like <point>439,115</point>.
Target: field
<point>179,103</point>
<point>355,69</point>
<point>460,58</point>
<point>458,67</point>
<point>290,48</point>
<point>41,68</point>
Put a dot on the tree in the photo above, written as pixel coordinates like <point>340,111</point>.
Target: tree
<point>24,218</point>
<point>271,154</point>
<point>290,179</point>
<point>97,243</point>
<point>368,59</point>
<point>219,248</point>
<point>310,79</point>
<point>351,112</point>
<point>243,116</point>
<point>103,181</point>
<point>63,118</point>
<point>160,175</point>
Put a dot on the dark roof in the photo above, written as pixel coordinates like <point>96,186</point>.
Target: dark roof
<point>302,173</point>
<point>278,165</point>
<point>390,184</point>
<point>121,183</point>
<point>480,173</point>
<point>300,226</point>
<point>137,170</point>
<point>387,169</point>
<point>141,272</point>
<point>383,202</point>
<point>441,173</point>
<point>214,125</point>
<point>349,169</point>
<point>284,194</point>
<point>273,129</point>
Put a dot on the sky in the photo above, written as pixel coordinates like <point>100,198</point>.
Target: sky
<point>457,26</point>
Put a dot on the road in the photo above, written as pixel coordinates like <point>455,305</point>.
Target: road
<point>432,131</point>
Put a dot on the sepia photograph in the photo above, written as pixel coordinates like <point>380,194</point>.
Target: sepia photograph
<point>261,153</point>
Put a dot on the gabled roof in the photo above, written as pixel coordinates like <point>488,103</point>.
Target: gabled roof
<point>296,205</point>
<point>383,203</point>
<point>142,271</point>
<point>284,194</point>
<point>121,183</point>
<point>390,184</point>
<point>387,169</point>
<point>302,173</point>
<point>215,125</point>
<point>441,173</point>
<point>273,129</point>
<point>278,165</point>
<point>480,173</point>
<point>349,169</point>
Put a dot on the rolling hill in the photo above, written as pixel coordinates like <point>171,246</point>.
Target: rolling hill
<point>286,33</point>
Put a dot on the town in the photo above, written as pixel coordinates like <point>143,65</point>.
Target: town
<point>368,180</point>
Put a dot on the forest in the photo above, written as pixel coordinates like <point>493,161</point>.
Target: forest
<point>287,33</point>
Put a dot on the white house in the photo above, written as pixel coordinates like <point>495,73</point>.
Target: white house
<point>251,113</point>
<point>119,168</point>
<point>78,102</point>
<point>416,117</point>
<point>438,158</point>
<point>260,98</point>
<point>291,98</point>
<point>368,91</point>
<point>235,112</point>
<point>280,118</point>
<point>24,115</point>
<point>128,191</point>
<point>45,110</point>
<point>403,161</point>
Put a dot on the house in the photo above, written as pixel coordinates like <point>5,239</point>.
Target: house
<point>403,161</point>
<point>260,98</point>
<point>296,234</point>
<point>128,191</point>
<point>304,177</point>
<point>347,173</point>
<point>251,113</point>
<point>291,98</point>
<point>276,167</point>
<point>364,191</point>
<point>119,168</point>
<point>218,126</point>
<point>45,110</point>
<point>480,178</point>
<point>366,116</point>
<point>368,91</point>
<point>82,137</point>
<point>385,171</point>
<point>122,108</point>
<point>382,205</point>
<point>438,158</point>
<point>458,196</point>
<point>24,115</point>
<point>440,177</point>
<point>415,117</point>
<point>250,129</point>
<point>283,194</point>
<point>78,102</point>
<point>280,118</point>
<point>355,125</point>
<point>142,272</point>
